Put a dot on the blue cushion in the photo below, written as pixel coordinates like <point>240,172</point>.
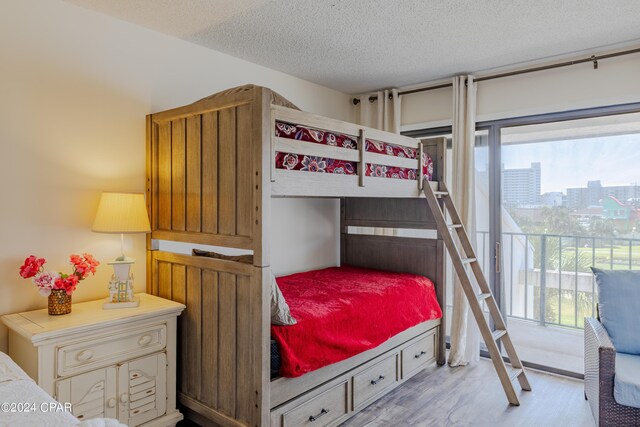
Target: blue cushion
<point>619,307</point>
<point>626,384</point>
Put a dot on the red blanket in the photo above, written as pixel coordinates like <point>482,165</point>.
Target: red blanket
<point>343,311</point>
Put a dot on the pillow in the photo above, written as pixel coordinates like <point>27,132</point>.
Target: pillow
<point>280,314</point>
<point>619,307</point>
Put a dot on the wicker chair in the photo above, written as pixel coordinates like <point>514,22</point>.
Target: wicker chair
<point>599,371</point>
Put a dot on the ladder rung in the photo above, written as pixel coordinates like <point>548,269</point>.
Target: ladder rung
<point>515,373</point>
<point>484,296</point>
<point>440,193</point>
<point>454,225</point>
<point>468,260</point>
<point>498,333</point>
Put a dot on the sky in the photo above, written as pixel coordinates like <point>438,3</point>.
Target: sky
<point>614,160</point>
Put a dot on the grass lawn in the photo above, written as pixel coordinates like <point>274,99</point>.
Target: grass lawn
<point>602,256</point>
<point>568,312</point>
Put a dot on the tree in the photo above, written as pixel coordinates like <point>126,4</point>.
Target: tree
<point>556,220</point>
<point>549,220</point>
<point>601,227</point>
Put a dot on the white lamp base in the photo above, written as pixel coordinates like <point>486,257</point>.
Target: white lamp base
<point>108,305</point>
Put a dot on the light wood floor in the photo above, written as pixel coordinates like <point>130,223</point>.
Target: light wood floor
<point>472,396</point>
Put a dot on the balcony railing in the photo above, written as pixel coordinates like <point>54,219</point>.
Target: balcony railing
<point>547,277</point>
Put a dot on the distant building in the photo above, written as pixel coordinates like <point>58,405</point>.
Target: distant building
<point>615,209</point>
<point>521,187</point>
<point>623,215</point>
<point>595,193</point>
<point>552,199</point>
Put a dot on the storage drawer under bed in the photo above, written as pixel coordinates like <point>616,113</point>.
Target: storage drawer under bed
<point>320,410</point>
<point>374,380</point>
<point>418,354</point>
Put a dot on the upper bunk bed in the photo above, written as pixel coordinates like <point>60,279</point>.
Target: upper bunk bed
<point>223,143</point>
<point>321,157</point>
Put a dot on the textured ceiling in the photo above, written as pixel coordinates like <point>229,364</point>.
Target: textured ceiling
<point>357,45</point>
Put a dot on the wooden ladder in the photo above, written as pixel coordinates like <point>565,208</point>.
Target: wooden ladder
<point>461,260</point>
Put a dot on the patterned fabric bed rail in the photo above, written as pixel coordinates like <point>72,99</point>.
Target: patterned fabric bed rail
<point>307,163</point>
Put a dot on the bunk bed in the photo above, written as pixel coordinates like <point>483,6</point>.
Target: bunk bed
<point>212,168</point>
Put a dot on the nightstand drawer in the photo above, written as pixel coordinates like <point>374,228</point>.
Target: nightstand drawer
<point>109,349</point>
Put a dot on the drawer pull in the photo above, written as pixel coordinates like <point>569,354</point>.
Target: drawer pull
<point>84,355</point>
<point>111,403</point>
<point>419,355</point>
<point>380,378</point>
<point>145,340</point>
<point>312,418</point>
<point>124,398</point>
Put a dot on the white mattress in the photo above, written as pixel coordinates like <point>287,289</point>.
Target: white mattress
<point>24,404</point>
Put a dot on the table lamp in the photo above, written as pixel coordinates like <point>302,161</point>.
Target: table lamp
<point>121,213</point>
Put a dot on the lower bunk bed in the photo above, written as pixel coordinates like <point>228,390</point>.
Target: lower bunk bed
<point>359,334</point>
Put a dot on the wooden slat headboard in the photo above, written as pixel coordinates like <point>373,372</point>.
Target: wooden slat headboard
<point>200,176</point>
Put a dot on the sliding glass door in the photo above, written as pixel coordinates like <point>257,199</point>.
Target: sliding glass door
<point>570,200</point>
<point>555,194</point>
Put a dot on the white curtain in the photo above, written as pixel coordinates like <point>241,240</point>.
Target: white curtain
<point>383,114</point>
<point>465,337</point>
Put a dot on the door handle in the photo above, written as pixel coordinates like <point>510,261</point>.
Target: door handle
<point>497,256</point>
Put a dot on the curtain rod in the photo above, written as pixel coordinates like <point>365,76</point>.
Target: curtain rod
<point>592,58</point>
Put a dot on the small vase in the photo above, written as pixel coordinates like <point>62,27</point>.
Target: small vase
<point>59,302</point>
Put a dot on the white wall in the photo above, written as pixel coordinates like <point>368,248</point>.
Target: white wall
<point>580,86</point>
<point>75,87</point>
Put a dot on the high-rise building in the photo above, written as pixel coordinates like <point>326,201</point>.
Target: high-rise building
<point>521,187</point>
<point>594,193</point>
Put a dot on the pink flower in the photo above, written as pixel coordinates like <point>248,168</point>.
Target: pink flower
<point>81,270</point>
<point>45,282</point>
<point>67,283</point>
<point>92,261</point>
<point>70,284</point>
<point>31,266</point>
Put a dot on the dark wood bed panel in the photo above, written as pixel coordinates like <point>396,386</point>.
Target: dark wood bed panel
<point>391,253</point>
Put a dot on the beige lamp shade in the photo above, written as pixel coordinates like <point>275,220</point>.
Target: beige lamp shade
<point>122,213</point>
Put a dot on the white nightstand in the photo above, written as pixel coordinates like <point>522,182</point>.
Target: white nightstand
<point>107,363</point>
